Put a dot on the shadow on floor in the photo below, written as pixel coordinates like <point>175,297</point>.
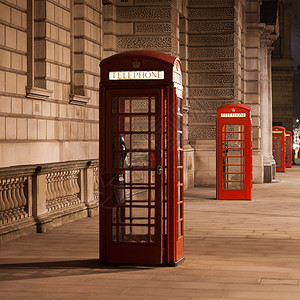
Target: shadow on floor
<point>21,271</point>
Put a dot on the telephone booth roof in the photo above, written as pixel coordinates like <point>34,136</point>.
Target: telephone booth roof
<point>278,128</point>
<point>140,60</point>
<point>228,107</point>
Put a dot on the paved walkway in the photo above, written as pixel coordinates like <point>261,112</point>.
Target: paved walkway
<point>234,250</point>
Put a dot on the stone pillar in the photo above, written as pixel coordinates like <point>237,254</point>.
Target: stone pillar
<point>39,187</point>
<point>214,68</point>
<point>266,102</point>
<point>270,125</point>
<point>264,105</point>
<point>253,96</point>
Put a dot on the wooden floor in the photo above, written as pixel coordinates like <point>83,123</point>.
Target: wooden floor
<point>233,249</point>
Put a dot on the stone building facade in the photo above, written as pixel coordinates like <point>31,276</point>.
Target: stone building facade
<point>49,91</point>
<point>283,71</point>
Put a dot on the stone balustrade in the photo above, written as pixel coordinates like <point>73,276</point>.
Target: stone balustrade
<point>37,198</point>
<point>13,199</point>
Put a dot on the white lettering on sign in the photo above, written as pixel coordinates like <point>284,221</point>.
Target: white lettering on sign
<point>136,75</point>
<point>233,115</point>
<point>277,131</point>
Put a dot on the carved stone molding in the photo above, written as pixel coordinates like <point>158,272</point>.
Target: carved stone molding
<point>143,13</point>
<point>144,42</point>
<point>199,52</point>
<point>206,106</point>
<point>202,132</point>
<point>202,118</point>
<point>214,27</point>
<point>211,79</point>
<point>211,2</point>
<point>211,66</point>
<point>211,39</point>
<point>79,100</point>
<point>211,92</point>
<point>154,28</point>
<point>211,13</point>
<point>38,93</point>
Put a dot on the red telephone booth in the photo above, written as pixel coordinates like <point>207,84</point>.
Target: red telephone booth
<point>141,159</point>
<point>279,147</point>
<point>234,152</point>
<point>288,149</point>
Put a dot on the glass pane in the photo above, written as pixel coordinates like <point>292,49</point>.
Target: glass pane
<point>114,214</point>
<point>140,105</point>
<point>179,121</point>
<point>179,229</point>
<point>118,196</point>
<point>152,99</point>
<point>114,234</point>
<point>137,234</point>
<point>140,124</point>
<point>140,141</point>
<point>180,175</point>
<point>234,186</point>
<point>140,159</point>
<point>180,211</point>
<point>140,195</point>
<point>139,176</point>
<point>114,104</point>
<point>179,194</point>
<point>179,137</point>
<point>152,234</point>
<point>180,153</point>
<point>179,105</point>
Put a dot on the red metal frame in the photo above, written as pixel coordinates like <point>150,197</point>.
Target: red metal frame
<point>234,152</point>
<point>288,149</point>
<point>278,136</point>
<point>167,246</point>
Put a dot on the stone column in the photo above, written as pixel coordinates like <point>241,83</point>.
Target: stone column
<point>270,100</point>
<point>264,106</point>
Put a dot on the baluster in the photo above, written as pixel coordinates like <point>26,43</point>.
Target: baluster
<point>69,187</point>
<point>63,189</point>
<point>2,204</point>
<point>59,188</point>
<point>48,192</point>
<point>18,196</point>
<point>77,187</point>
<point>24,200</point>
<point>12,194</point>
<point>51,186</point>
<point>72,189</point>
<point>6,201</point>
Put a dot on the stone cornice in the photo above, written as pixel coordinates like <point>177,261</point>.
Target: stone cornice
<point>38,93</point>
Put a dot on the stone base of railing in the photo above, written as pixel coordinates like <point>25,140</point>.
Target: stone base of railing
<point>58,218</point>
<point>93,209</point>
<point>17,229</point>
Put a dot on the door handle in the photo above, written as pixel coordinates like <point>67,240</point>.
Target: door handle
<point>158,170</point>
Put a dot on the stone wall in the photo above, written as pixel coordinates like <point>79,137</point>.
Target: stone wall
<point>213,77</point>
<point>282,70</point>
<point>49,80</point>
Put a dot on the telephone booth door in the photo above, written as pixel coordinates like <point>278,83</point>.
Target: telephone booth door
<point>141,159</point>
<point>234,152</point>
<point>278,134</point>
<point>288,149</point>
